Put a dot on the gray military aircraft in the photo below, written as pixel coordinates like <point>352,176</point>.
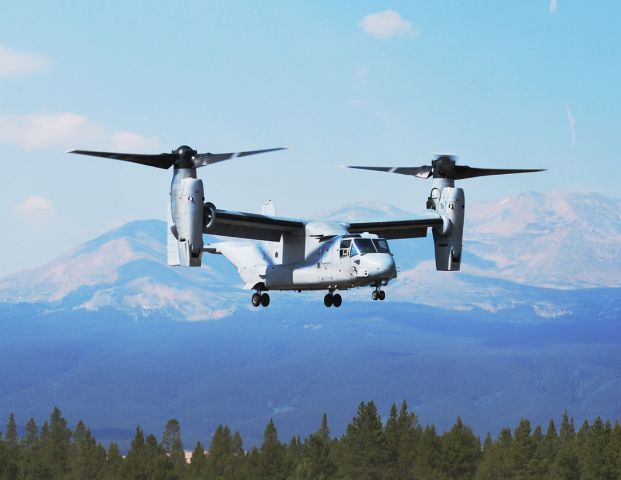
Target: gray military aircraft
<point>306,255</point>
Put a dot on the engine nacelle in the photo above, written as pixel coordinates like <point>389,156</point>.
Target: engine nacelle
<point>188,218</point>
<point>450,204</point>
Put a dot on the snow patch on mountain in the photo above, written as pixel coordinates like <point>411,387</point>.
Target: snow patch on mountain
<point>553,240</point>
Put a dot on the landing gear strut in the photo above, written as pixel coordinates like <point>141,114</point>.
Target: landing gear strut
<point>332,299</point>
<point>262,299</point>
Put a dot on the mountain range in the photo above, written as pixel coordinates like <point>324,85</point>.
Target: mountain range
<point>529,327</point>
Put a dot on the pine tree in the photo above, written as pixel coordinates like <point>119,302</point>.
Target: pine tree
<point>197,469</point>
<point>537,467</point>
<point>220,452</point>
<point>404,447</point>
<point>613,450</point>
<point>318,462</point>
<point>9,457</point>
<point>252,464</point>
<point>173,446</point>
<point>293,453</point>
<point>113,466</point>
<point>365,453</point>
<point>548,449</point>
<point>159,464</point>
<point>595,462</point>
<point>427,455</point>
<point>87,458</point>
<point>135,465</point>
<point>522,450</point>
<point>272,459</point>
<point>55,445</point>
<point>488,466</point>
<point>566,465</point>
<point>461,451</point>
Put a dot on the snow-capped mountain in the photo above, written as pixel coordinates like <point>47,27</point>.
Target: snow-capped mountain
<point>126,269</point>
<point>517,253</point>
<point>555,240</point>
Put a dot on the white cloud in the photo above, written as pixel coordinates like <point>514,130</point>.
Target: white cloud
<point>40,130</point>
<point>14,63</point>
<point>553,6</point>
<point>571,121</point>
<point>134,142</point>
<point>387,24</point>
<point>66,130</point>
<point>36,210</point>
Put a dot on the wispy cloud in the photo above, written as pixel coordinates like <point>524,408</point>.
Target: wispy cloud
<point>35,210</point>
<point>14,63</point>
<point>134,142</point>
<point>40,130</point>
<point>553,6</point>
<point>571,121</point>
<point>35,131</point>
<point>387,24</point>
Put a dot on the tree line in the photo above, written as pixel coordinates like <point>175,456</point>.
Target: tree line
<point>400,448</point>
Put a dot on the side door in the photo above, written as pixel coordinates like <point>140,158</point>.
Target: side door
<point>326,263</point>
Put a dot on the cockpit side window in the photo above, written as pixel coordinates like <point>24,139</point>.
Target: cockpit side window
<point>362,246</point>
<point>381,245</point>
<point>344,248</point>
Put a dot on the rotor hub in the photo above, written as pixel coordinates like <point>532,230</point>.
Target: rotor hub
<point>184,156</point>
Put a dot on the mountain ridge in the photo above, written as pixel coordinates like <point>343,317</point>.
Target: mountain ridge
<point>525,240</point>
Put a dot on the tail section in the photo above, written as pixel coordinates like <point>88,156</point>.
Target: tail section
<point>273,249</point>
<point>248,257</point>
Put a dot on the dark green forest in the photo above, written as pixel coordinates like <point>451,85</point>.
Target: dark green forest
<point>400,448</point>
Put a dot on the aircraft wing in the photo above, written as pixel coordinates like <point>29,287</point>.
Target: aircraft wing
<point>252,226</point>
<point>393,229</point>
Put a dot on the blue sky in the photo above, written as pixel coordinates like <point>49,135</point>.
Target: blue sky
<point>505,84</point>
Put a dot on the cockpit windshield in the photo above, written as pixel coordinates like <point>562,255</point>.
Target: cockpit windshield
<point>362,246</point>
<point>381,245</point>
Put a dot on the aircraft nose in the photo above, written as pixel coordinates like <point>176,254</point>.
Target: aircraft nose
<point>381,265</point>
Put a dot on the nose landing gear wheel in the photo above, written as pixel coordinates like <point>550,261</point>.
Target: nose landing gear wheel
<point>265,300</point>
<point>327,300</point>
<point>382,295</point>
<point>375,295</point>
<point>256,299</point>
<point>337,300</point>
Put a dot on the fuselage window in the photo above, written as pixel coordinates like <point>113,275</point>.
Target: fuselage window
<point>381,245</point>
<point>344,248</point>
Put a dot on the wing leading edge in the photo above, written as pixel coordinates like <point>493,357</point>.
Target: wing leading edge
<point>252,226</point>
<point>411,228</point>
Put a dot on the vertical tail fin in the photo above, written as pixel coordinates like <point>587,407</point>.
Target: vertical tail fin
<point>273,249</point>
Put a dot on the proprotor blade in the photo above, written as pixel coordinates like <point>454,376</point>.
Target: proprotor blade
<point>162,160</point>
<point>420,172</point>
<point>463,171</point>
<point>202,159</point>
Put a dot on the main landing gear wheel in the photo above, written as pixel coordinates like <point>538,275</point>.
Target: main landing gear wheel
<point>265,300</point>
<point>256,299</point>
<point>337,300</point>
<point>378,294</point>
<point>332,299</point>
<point>262,299</point>
<point>327,300</point>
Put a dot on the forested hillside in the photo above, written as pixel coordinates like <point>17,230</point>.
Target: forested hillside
<point>398,448</point>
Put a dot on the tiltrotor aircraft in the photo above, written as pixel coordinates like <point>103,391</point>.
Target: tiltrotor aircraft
<point>306,255</point>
